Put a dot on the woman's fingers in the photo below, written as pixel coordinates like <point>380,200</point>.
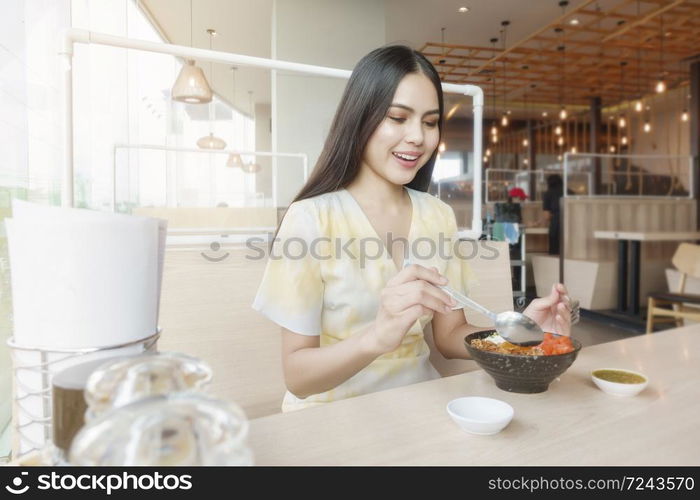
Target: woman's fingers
<point>420,293</point>
<point>420,286</point>
<point>563,320</point>
<point>417,272</point>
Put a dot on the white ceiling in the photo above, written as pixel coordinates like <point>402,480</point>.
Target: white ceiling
<point>244,27</point>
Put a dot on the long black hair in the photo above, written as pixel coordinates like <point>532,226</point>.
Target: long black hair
<point>362,108</point>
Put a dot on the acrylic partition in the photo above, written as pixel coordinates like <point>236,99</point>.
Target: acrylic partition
<point>623,175</point>
<point>278,68</point>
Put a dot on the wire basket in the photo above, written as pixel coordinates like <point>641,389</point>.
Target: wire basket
<point>32,428</point>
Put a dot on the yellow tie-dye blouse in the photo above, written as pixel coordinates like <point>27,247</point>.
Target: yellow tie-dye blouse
<point>325,274</point>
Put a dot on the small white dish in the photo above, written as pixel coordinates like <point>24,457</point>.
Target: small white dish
<point>624,389</point>
<point>482,416</point>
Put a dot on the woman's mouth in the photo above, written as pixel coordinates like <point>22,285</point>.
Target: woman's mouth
<point>407,160</point>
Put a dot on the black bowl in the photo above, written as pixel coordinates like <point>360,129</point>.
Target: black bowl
<point>519,372</point>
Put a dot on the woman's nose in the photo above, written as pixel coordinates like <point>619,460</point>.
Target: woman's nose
<point>414,134</point>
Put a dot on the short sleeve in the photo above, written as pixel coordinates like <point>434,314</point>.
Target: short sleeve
<point>291,291</point>
<point>458,270</point>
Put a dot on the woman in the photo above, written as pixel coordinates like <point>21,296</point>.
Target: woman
<point>352,314</point>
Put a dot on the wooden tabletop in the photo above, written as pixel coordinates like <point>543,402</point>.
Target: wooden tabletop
<point>648,235</point>
<point>572,423</point>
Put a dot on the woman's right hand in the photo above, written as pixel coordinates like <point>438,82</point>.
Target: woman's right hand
<point>406,297</point>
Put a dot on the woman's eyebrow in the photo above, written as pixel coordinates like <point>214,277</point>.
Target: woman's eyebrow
<point>408,108</point>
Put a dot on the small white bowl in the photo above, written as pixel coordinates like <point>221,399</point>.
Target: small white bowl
<point>481,416</point>
<point>619,388</point>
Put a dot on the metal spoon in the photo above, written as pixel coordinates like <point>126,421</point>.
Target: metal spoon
<point>513,326</point>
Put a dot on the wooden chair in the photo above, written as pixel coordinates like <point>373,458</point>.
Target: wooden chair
<point>687,261</point>
<point>205,312</point>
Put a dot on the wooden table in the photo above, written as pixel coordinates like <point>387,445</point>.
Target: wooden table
<point>635,238</point>
<point>572,423</point>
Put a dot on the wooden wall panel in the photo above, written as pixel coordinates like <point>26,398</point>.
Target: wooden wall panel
<point>585,215</point>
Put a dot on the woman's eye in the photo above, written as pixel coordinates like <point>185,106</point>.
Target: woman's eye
<point>431,124</point>
<point>397,119</point>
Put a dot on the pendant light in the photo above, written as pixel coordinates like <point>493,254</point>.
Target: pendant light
<point>622,121</point>
<point>234,159</point>
<point>638,104</point>
<point>252,167</point>
<point>211,141</point>
<point>647,121</point>
<point>191,85</point>
<point>504,116</point>
<point>563,114</point>
<point>661,83</point>
<point>442,60</point>
<point>494,127</point>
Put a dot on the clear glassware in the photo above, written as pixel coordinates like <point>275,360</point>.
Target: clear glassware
<point>131,379</point>
<point>177,429</point>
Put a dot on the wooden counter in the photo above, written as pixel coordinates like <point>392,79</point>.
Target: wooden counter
<point>572,423</point>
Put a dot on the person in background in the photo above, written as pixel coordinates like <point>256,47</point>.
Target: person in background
<point>550,210</point>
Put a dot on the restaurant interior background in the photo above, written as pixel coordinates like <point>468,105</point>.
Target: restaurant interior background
<point>604,92</point>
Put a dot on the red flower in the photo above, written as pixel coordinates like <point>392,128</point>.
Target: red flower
<point>517,193</point>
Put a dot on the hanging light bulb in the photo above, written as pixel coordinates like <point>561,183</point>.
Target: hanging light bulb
<point>557,130</point>
<point>234,161</point>
<point>563,114</point>
<point>488,152</point>
<point>574,150</point>
<point>526,161</point>
<point>504,120</point>
<point>612,149</point>
<point>684,116</point>
<point>494,139</point>
<point>251,168</point>
<point>560,141</point>
<point>441,147</point>
<point>647,127</point>
<point>559,158</point>
<point>525,143</point>
<point>486,159</point>
<point>211,142</point>
<point>544,114</point>
<point>494,130</point>
<point>191,85</point>
<point>638,106</point>
<point>623,140</point>
<point>661,84</point>
<point>622,123</point>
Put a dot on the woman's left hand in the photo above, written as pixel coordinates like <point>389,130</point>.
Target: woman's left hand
<point>552,313</point>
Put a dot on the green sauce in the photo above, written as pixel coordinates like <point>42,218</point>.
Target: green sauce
<point>619,376</point>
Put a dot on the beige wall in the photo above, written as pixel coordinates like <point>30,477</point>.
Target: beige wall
<point>305,105</point>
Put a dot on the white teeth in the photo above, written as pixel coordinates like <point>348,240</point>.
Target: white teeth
<point>406,157</point>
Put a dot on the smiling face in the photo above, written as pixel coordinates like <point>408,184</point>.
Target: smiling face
<point>408,135</point>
